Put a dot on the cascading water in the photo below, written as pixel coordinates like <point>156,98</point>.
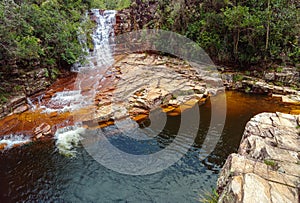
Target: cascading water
<point>80,94</point>
<point>89,77</point>
<point>9,141</point>
<point>96,64</point>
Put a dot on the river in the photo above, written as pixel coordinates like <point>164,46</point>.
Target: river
<point>37,172</point>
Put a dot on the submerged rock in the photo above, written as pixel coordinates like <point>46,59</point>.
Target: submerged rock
<point>266,168</point>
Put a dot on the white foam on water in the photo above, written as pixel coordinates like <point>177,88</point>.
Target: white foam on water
<point>102,37</point>
<point>12,140</point>
<point>67,139</point>
<point>100,58</point>
<point>66,101</point>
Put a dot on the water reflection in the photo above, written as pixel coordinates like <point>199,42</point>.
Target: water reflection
<point>38,173</point>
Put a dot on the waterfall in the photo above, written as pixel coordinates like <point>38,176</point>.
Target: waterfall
<point>103,40</point>
<point>88,79</point>
<point>82,95</point>
<point>90,73</point>
<point>9,141</point>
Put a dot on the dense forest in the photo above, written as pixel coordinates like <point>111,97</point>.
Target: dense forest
<point>237,33</point>
<point>240,33</point>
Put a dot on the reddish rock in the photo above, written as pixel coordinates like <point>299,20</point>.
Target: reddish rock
<point>3,146</point>
<point>41,130</point>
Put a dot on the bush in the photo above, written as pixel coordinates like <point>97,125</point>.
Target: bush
<point>45,32</point>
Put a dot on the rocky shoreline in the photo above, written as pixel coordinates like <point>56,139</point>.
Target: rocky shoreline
<point>266,167</point>
<point>135,85</point>
<point>283,84</point>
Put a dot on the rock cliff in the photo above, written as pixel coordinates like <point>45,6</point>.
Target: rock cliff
<point>267,165</point>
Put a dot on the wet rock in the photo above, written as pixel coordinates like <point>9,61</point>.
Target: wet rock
<point>149,81</point>
<point>42,130</point>
<point>21,109</point>
<point>266,168</point>
<point>271,83</point>
<point>3,146</point>
<point>291,99</point>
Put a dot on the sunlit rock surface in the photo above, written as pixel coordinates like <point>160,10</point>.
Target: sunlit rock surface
<point>266,168</point>
<point>133,86</point>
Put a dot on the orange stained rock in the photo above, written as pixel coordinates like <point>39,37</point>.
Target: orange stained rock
<point>3,146</point>
<point>175,111</point>
<point>27,121</point>
<point>295,112</point>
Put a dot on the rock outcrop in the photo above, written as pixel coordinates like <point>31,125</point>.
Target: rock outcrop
<point>144,82</point>
<point>267,166</point>
<point>20,86</point>
<point>283,87</point>
<point>138,16</point>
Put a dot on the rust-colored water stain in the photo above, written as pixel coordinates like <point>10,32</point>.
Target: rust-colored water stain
<point>27,121</point>
<point>295,112</point>
<point>176,111</point>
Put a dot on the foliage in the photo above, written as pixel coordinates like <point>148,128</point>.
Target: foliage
<point>41,32</point>
<point>246,33</point>
<point>110,4</point>
<point>271,163</point>
<point>209,197</point>
<point>237,77</point>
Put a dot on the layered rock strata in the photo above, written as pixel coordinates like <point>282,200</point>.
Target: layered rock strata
<point>267,166</point>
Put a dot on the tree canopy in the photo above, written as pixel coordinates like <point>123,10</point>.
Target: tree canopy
<point>244,33</point>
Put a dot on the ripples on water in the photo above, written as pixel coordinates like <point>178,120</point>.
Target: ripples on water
<point>38,173</point>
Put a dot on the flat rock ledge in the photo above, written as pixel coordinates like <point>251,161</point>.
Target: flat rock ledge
<point>267,166</point>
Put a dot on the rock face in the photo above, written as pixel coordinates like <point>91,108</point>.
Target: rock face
<point>147,81</point>
<point>287,93</point>
<point>138,16</point>
<point>22,85</point>
<point>42,130</point>
<point>266,168</point>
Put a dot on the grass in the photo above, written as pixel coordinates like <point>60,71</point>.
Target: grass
<point>3,98</point>
<point>209,197</point>
<point>279,83</point>
<point>247,73</point>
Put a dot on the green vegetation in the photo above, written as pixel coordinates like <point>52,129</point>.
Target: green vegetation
<point>248,89</point>
<point>271,163</point>
<point>110,4</point>
<point>237,77</point>
<point>41,33</point>
<point>241,33</point>
<point>209,197</point>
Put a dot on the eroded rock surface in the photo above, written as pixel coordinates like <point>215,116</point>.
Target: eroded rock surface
<point>266,168</point>
<point>281,86</point>
<point>130,89</point>
<point>146,81</point>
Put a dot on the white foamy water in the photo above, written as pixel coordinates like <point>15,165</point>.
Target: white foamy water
<point>10,141</point>
<point>66,101</point>
<point>98,62</point>
<point>103,38</point>
<point>100,59</point>
<point>67,139</point>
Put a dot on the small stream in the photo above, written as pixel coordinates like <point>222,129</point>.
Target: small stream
<point>37,172</point>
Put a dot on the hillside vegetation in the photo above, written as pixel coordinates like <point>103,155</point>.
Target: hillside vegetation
<point>240,34</point>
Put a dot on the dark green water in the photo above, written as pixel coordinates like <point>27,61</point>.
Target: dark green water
<point>38,173</point>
